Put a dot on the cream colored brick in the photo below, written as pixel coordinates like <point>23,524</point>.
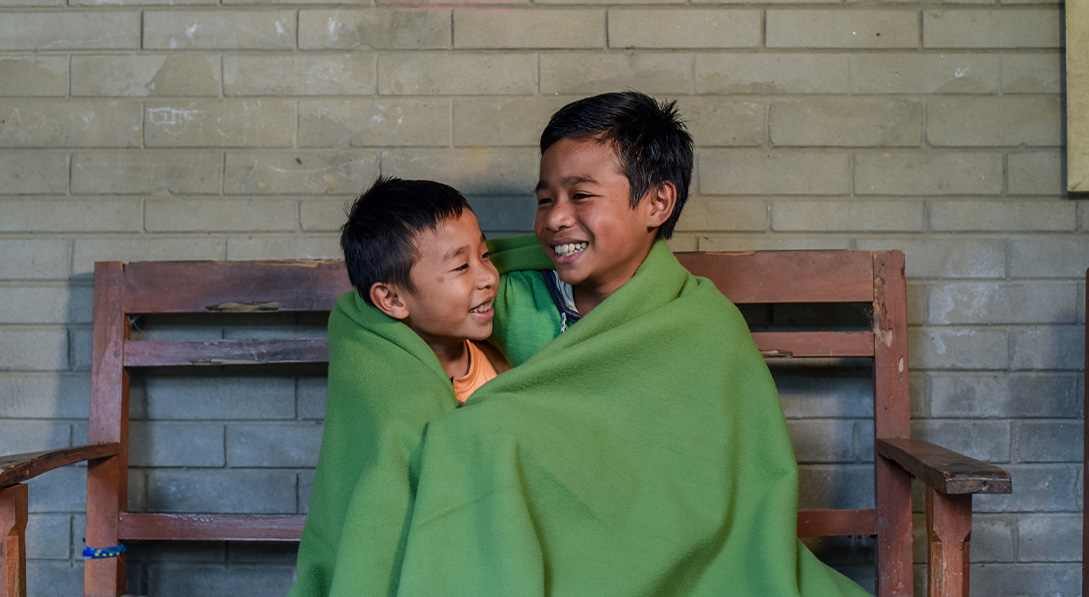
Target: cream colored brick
<point>1043,257</point>
<point>1032,73</point>
<point>960,348</point>
<point>220,123</point>
<point>748,172</point>
<point>30,3</point>
<point>34,76</point>
<point>482,171</point>
<point>146,172</point>
<point>772,74</point>
<point>388,122</point>
<point>529,28</point>
<point>143,247</point>
<point>976,215</point>
<point>945,257</point>
<point>712,214</point>
<point>585,74</point>
<point>847,216</point>
<point>503,121</point>
<point>325,215</point>
<point>770,242</point>
<point>858,28</point>
<point>221,215</point>
<point>925,73</point>
<point>157,75</point>
<point>850,122</point>
<point>39,305</point>
<point>219,30</point>
<point>914,173</point>
<point>114,3</point>
<point>997,27</point>
<point>33,259</point>
<point>299,74</point>
<point>1001,303</point>
<point>306,173</point>
<point>72,215</point>
<point>1034,173</point>
<point>687,28</point>
<point>58,123</point>
<point>284,247</point>
<point>989,121</point>
<point>33,349</point>
<point>57,31</point>
<point>33,172</point>
<point>456,74</point>
<point>717,122</point>
<point>377,29</point>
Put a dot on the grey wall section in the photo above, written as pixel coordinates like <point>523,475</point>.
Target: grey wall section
<point>137,129</point>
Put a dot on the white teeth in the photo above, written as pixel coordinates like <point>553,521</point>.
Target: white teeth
<point>482,308</point>
<point>569,249</point>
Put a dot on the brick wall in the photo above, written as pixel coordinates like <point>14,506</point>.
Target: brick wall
<point>150,129</point>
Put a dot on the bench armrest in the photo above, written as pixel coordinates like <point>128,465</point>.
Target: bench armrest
<point>17,468</point>
<point>944,470</point>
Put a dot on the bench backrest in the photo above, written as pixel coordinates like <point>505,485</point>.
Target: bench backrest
<point>124,291</point>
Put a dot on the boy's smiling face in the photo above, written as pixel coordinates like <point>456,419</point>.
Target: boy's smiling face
<point>585,220</point>
<point>455,284</point>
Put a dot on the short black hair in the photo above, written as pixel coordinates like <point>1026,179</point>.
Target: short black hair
<point>649,138</point>
<point>379,237</point>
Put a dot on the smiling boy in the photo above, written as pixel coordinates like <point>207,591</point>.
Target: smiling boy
<point>614,177</point>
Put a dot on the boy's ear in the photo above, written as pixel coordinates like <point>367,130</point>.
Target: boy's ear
<point>662,202</point>
<point>387,298</point>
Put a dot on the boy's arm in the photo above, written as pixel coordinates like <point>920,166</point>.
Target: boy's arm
<point>526,319</point>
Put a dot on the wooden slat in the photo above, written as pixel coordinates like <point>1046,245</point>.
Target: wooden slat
<point>236,286</point>
<point>13,519</point>
<point>108,422</point>
<point>787,276</point>
<point>943,469</point>
<point>211,527</point>
<point>825,523</point>
<point>146,353</point>
<point>17,468</point>
<point>814,344</point>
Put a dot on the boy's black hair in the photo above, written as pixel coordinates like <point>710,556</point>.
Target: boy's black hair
<point>648,137</point>
<point>379,238</point>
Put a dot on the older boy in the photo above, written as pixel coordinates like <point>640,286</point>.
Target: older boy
<point>644,450</point>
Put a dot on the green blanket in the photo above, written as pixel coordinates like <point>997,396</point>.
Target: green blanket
<point>643,452</point>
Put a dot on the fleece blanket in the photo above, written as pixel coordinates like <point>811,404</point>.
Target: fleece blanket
<point>643,452</point>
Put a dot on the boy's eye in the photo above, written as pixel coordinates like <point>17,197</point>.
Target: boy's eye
<point>486,256</point>
<point>461,267</point>
<point>543,201</point>
<point>580,195</point>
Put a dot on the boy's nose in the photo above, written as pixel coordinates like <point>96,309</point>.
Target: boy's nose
<point>489,276</point>
<point>559,215</point>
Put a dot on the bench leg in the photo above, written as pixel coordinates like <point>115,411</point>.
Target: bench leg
<point>949,528</point>
<point>13,508</point>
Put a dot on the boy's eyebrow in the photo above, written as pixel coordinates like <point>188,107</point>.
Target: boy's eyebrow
<point>452,253</point>
<point>567,181</point>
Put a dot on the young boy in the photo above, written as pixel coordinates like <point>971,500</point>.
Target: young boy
<point>414,250</point>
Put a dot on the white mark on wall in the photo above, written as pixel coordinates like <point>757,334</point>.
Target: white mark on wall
<point>281,29</point>
<point>960,72</point>
<point>171,116</point>
<point>192,30</point>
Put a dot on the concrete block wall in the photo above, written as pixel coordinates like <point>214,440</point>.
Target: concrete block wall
<point>195,129</point>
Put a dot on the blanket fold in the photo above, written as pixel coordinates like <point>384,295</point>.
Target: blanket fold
<point>643,452</point>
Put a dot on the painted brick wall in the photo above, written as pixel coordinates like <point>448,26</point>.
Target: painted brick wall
<point>195,129</point>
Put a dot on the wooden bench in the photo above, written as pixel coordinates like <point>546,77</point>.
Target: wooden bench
<point>125,291</point>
